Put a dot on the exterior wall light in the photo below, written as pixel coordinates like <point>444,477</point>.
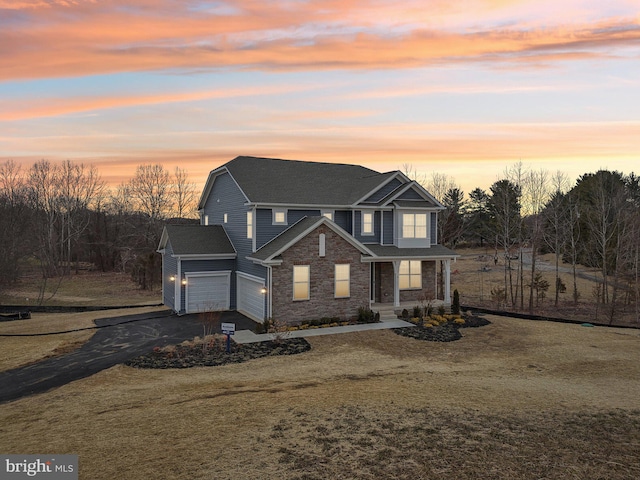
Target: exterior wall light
<point>184,281</point>
<point>172,278</point>
<point>263,290</point>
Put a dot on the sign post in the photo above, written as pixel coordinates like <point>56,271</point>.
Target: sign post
<point>228,329</point>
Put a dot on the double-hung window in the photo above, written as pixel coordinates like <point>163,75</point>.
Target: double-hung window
<point>342,280</point>
<point>249,225</point>
<point>410,274</point>
<point>367,223</point>
<point>301,282</point>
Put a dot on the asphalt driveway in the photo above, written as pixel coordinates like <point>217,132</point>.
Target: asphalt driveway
<point>119,339</point>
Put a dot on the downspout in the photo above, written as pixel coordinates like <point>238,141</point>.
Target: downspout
<point>269,293</point>
<point>178,287</point>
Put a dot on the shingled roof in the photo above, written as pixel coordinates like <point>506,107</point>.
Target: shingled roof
<point>296,232</point>
<point>197,240</point>
<point>276,181</point>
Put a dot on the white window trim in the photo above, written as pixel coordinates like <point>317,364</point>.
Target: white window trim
<point>307,282</point>
<point>225,218</point>
<point>275,212</point>
<point>414,215</point>
<point>342,280</point>
<point>371,233</point>
<point>250,221</point>
<point>410,275</point>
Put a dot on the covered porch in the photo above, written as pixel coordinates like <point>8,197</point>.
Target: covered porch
<point>409,277</point>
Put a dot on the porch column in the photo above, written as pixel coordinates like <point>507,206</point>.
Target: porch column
<point>396,283</point>
<point>447,282</point>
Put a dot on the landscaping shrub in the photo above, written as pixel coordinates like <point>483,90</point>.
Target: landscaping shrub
<point>455,306</point>
<point>366,315</point>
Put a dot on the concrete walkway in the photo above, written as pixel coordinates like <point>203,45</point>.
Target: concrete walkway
<point>247,336</point>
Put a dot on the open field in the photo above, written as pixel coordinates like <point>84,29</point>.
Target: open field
<point>516,399</point>
<point>81,289</point>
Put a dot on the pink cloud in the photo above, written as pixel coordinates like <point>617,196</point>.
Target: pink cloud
<point>90,38</point>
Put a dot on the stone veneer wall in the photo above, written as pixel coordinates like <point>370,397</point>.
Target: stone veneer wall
<point>321,301</point>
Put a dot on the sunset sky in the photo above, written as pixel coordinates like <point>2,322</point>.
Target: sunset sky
<point>461,87</point>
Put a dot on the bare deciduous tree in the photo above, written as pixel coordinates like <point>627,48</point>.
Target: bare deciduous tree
<point>184,194</point>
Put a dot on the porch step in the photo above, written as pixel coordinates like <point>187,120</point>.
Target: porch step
<point>386,312</point>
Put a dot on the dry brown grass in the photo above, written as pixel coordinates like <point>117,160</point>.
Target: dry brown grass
<point>84,288</point>
<point>18,351</point>
<point>474,286</point>
<point>515,399</point>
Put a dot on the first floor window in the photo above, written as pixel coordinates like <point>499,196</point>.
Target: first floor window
<point>301,282</point>
<point>410,274</point>
<point>342,280</point>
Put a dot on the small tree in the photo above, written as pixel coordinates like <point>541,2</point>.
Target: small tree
<point>455,306</point>
<point>278,329</point>
<point>210,321</point>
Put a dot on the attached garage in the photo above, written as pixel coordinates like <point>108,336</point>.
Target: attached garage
<point>250,296</point>
<point>197,261</point>
<point>207,291</point>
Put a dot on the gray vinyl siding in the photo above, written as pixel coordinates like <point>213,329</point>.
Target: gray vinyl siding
<point>375,238</point>
<point>169,268</point>
<point>387,234</point>
<point>410,195</point>
<point>266,231</point>
<point>343,219</point>
<point>226,197</point>
<point>434,228</point>
<point>384,191</point>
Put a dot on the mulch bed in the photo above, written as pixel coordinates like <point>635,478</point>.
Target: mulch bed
<point>186,356</point>
<point>448,332</point>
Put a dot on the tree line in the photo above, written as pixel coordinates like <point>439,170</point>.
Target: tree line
<point>595,222</point>
<point>59,217</point>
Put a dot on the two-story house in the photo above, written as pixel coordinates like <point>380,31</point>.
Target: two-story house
<point>299,240</point>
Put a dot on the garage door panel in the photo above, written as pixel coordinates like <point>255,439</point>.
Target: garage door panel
<point>250,297</point>
<point>207,292</point>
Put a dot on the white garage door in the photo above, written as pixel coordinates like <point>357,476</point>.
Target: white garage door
<point>250,297</point>
<point>208,291</point>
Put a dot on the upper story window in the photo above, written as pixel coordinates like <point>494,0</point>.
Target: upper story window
<point>279,216</point>
<point>206,219</point>
<point>225,218</point>
<point>414,225</point>
<point>249,224</point>
<point>328,214</point>
<point>301,282</point>
<point>342,280</point>
<point>367,223</point>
